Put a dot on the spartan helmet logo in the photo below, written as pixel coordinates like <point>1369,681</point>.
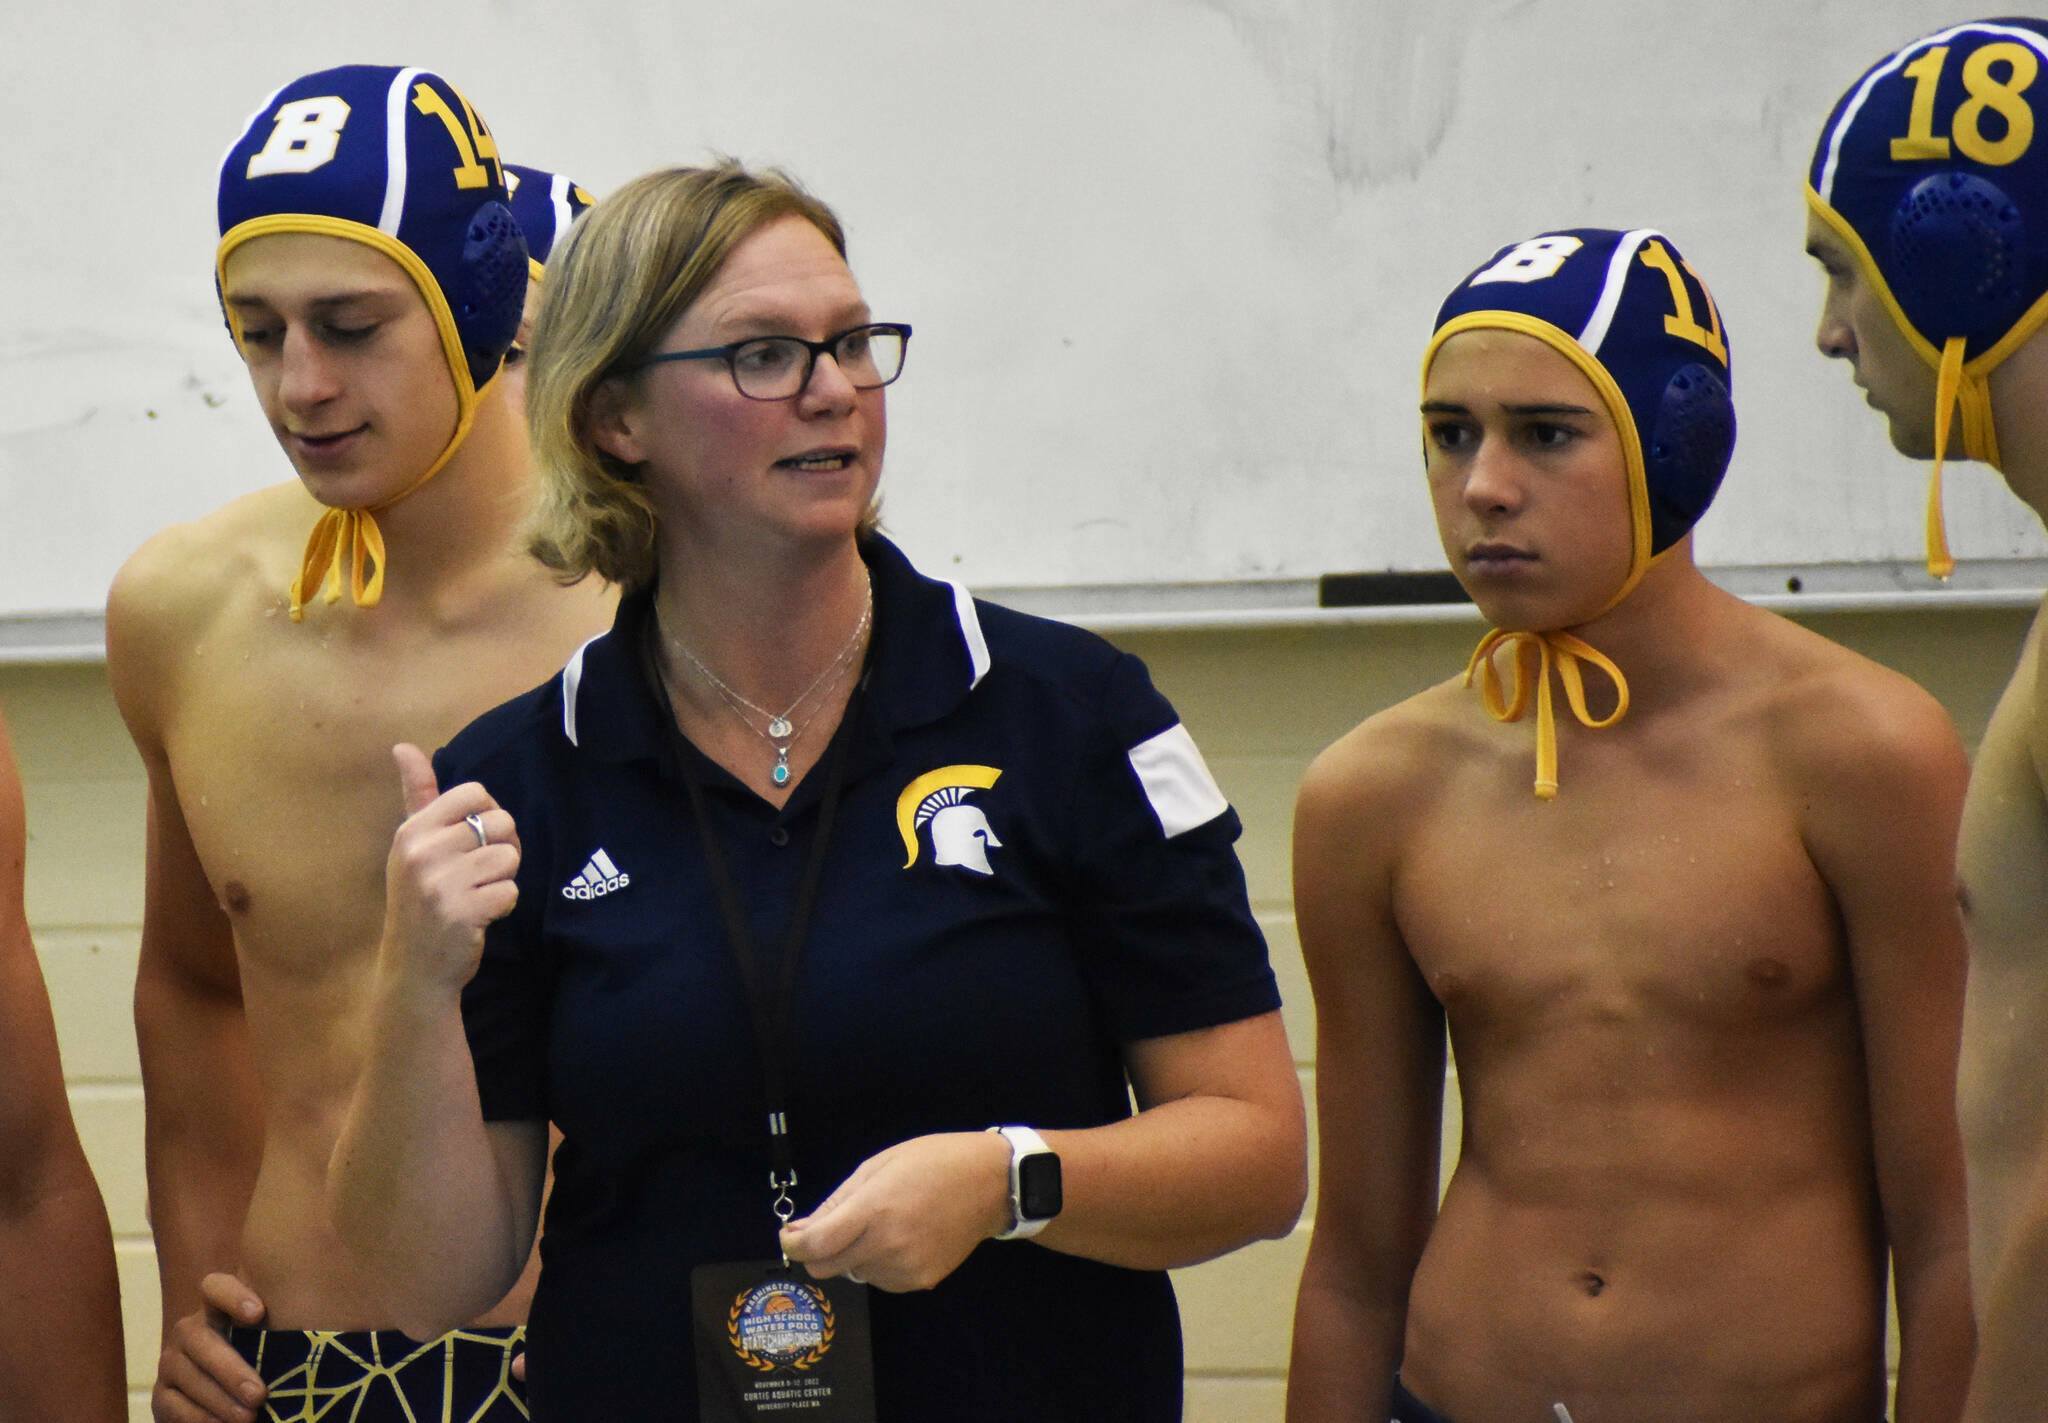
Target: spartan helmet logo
<point>961,834</point>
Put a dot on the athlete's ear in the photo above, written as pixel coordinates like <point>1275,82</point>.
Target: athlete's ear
<point>415,777</point>
<point>615,420</point>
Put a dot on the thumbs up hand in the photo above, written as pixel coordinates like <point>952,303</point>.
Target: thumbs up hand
<point>449,875</point>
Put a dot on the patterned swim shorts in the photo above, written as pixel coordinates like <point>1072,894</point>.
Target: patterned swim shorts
<point>383,1376</point>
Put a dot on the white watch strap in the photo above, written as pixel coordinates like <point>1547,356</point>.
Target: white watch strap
<point>1023,1142</point>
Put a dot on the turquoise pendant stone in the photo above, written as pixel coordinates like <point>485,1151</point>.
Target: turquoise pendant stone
<point>780,775</point>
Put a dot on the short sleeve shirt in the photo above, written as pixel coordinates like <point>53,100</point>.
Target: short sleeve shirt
<point>1031,869</point>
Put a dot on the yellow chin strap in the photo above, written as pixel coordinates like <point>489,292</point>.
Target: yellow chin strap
<point>1537,652</point>
<point>352,536</point>
<point>1954,386</point>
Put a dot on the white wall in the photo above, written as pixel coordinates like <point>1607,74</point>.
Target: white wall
<point>1171,261</point>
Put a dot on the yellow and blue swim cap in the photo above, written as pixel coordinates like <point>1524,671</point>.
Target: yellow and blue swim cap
<point>397,159</point>
<point>1930,171</point>
<point>1629,311</point>
<point>545,204</point>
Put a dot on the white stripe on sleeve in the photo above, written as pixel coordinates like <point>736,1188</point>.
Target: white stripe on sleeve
<point>1177,781</point>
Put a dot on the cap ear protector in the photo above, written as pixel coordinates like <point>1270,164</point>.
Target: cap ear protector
<point>1959,255</point>
<point>1691,440</point>
<point>545,204</point>
<point>398,160</point>
<point>1630,313</point>
<point>1929,171</point>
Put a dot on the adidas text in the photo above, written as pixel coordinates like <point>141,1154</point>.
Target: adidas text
<point>578,890</point>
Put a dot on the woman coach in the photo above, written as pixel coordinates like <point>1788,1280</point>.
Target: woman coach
<point>817,892</point>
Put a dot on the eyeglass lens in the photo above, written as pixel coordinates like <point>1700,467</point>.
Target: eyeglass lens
<point>777,367</point>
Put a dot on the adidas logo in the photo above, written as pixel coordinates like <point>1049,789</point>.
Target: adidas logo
<point>599,878</point>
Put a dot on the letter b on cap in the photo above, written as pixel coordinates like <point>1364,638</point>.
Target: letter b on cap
<point>304,135</point>
<point>1530,261</point>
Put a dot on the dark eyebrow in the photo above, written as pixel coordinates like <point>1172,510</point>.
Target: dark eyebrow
<point>1546,409</point>
<point>1447,407</point>
<point>321,304</point>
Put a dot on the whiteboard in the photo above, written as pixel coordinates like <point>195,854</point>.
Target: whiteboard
<point>1171,262</point>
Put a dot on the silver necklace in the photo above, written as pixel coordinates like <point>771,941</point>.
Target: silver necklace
<point>781,733</point>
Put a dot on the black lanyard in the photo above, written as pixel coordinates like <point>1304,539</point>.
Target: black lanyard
<point>773,1012</point>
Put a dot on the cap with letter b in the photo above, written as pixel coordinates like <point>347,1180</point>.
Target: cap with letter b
<point>1628,310</point>
<point>1930,171</point>
<point>397,159</point>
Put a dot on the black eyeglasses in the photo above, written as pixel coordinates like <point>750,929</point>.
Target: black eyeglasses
<point>778,367</point>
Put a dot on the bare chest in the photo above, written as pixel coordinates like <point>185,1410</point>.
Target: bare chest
<point>1680,897</point>
<point>281,754</point>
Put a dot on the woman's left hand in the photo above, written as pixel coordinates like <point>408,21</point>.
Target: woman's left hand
<point>909,1215</point>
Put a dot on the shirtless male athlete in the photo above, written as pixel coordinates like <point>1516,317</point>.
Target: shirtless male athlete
<point>1928,201</point>
<point>60,1309</point>
<point>1703,984</point>
<point>373,279</point>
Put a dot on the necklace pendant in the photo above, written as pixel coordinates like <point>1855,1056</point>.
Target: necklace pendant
<point>778,727</point>
<point>780,775</point>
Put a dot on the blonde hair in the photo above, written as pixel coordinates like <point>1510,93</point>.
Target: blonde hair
<point>627,270</point>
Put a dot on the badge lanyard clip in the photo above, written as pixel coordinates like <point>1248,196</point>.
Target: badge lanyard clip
<point>780,1181</point>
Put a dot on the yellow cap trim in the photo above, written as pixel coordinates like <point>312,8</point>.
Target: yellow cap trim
<point>1957,381</point>
<point>353,532</point>
<point>1624,419</point>
<point>1535,653</point>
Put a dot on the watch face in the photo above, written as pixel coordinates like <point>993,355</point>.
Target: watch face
<point>1038,1186</point>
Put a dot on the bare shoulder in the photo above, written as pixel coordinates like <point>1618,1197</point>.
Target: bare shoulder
<point>1394,754</point>
<point>1841,720</point>
<point>188,577</point>
<point>187,568</point>
<point>1366,786</point>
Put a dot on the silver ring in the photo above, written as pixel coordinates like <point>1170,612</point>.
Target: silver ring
<point>854,1279</point>
<point>476,823</point>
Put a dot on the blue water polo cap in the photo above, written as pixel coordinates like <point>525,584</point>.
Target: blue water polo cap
<point>1628,310</point>
<point>1933,172</point>
<point>397,159</point>
<point>1930,168</point>
<point>545,204</point>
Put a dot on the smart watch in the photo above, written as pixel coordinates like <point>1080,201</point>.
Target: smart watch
<point>1034,1182</point>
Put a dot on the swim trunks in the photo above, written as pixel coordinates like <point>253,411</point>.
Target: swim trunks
<point>384,1376</point>
<point>1410,1409</point>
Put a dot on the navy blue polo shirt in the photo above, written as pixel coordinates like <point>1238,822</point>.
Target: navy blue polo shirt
<point>1031,870</point>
